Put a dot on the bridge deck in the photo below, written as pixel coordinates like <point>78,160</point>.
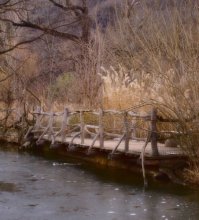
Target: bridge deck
<point>135,147</point>
<point>129,126</point>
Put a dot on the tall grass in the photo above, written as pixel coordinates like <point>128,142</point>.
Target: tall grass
<point>152,56</point>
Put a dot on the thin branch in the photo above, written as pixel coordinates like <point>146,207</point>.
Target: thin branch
<point>31,93</point>
<point>46,30</point>
<point>4,3</point>
<point>7,77</point>
<point>20,43</point>
<point>70,7</point>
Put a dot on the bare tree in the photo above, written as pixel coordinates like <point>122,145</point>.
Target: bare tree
<point>70,24</point>
<point>76,15</point>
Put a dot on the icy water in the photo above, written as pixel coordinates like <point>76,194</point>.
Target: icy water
<point>39,189</point>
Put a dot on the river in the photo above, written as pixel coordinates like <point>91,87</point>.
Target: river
<point>40,189</point>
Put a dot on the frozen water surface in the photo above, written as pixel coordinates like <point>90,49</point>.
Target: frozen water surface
<point>34,188</point>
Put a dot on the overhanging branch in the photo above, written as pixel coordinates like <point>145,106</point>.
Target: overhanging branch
<point>19,44</point>
<point>69,7</point>
<point>47,30</point>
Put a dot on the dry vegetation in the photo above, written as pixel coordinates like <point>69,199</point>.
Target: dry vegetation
<point>153,57</point>
<point>148,53</point>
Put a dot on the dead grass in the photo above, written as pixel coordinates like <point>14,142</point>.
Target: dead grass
<point>192,175</point>
<point>154,54</point>
<point>152,57</point>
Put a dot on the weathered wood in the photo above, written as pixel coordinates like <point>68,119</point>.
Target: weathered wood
<point>51,131</point>
<point>97,131</point>
<point>133,133</point>
<point>127,132</point>
<point>136,115</point>
<point>154,132</point>
<point>82,125</point>
<point>89,132</point>
<point>38,119</point>
<point>118,144</point>
<point>47,113</point>
<point>43,133</point>
<point>64,124</point>
<point>101,129</point>
<point>48,130</point>
<point>73,113</point>
<point>73,138</point>
<point>142,158</point>
<point>92,126</point>
<point>112,135</point>
<point>113,112</point>
<point>93,142</point>
<point>138,139</point>
<point>28,132</point>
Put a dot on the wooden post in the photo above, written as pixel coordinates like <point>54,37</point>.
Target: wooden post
<point>51,132</point>
<point>154,134</point>
<point>64,124</point>
<point>82,126</point>
<point>101,129</point>
<point>133,133</point>
<point>126,127</point>
<point>38,118</point>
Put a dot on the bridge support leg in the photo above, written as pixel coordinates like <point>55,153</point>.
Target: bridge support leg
<point>101,129</point>
<point>154,134</point>
<point>82,125</point>
<point>64,124</point>
<point>127,133</point>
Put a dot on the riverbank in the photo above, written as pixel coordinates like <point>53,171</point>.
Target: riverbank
<point>159,169</point>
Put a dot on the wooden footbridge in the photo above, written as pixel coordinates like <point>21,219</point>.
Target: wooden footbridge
<point>137,133</point>
<point>125,139</point>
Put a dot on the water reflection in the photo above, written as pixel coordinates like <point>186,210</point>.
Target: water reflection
<point>54,191</point>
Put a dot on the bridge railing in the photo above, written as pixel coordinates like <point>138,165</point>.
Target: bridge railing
<point>58,126</point>
<point>97,131</point>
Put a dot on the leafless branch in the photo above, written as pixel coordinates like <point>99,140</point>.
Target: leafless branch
<point>47,30</point>
<point>19,44</point>
<point>69,7</point>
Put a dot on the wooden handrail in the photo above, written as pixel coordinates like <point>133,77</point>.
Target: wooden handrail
<point>99,133</point>
<point>154,135</point>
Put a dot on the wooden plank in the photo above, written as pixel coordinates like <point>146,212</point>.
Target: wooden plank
<point>154,134</point>
<point>38,119</point>
<point>127,132</point>
<point>101,129</point>
<point>64,124</point>
<point>51,131</point>
<point>135,147</point>
<point>82,126</point>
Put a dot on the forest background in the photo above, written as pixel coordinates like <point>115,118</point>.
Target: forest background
<point>106,54</point>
